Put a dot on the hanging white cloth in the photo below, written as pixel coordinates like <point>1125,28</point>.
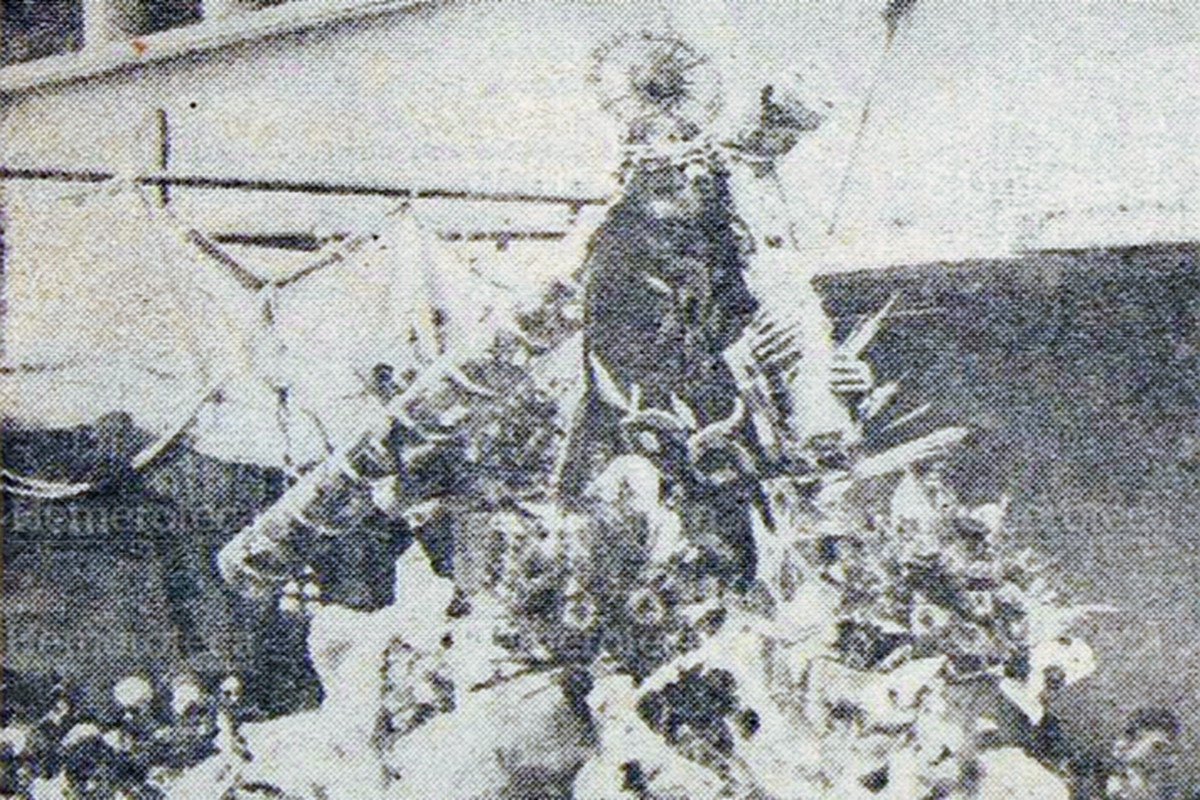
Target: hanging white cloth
<point>95,322</point>
<point>115,305</point>
<point>372,305</point>
<point>781,282</point>
<point>242,420</point>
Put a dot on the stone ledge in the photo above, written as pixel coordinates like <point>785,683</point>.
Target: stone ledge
<point>236,27</point>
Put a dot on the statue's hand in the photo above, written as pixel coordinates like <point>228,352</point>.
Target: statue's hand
<point>849,374</point>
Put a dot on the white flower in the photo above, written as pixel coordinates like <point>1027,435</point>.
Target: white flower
<point>133,691</point>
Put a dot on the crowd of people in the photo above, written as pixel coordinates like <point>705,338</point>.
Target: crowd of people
<point>648,639</point>
<point>131,749</point>
<point>693,579</point>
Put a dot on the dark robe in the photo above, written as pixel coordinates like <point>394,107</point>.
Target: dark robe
<point>664,297</point>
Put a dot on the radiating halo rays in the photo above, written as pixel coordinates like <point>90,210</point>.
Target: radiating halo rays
<point>650,80</point>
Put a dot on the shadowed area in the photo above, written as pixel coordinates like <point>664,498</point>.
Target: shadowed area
<point>1078,371</point>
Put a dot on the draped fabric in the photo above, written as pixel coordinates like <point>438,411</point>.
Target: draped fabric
<point>95,320</point>
<point>666,296</point>
<point>116,306</point>
<point>781,282</point>
<point>334,325</point>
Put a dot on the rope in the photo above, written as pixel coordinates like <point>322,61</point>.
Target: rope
<point>896,11</point>
<point>859,136</point>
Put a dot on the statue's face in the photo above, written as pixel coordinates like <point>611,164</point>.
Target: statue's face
<point>670,192</point>
<point>776,142</point>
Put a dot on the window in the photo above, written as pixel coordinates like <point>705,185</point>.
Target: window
<point>31,29</point>
<point>43,41</point>
<point>115,19</point>
<point>158,15</point>
<point>223,8</point>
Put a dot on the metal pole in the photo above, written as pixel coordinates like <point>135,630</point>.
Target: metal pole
<point>298,187</point>
<point>164,153</point>
<point>100,24</point>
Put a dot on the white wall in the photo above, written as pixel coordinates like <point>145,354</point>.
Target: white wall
<point>984,111</point>
<point>996,124</point>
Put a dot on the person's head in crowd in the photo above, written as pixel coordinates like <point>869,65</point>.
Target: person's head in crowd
<point>16,766</point>
<point>230,692</point>
<point>134,697</point>
<point>133,694</point>
<point>186,696</point>
<point>189,704</point>
<point>1144,757</point>
<point>87,761</point>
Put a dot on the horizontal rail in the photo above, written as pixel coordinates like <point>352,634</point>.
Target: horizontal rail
<point>300,187</point>
<point>310,243</point>
<point>501,237</point>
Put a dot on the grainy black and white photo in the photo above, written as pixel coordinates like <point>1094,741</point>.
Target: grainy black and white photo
<point>600,399</point>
